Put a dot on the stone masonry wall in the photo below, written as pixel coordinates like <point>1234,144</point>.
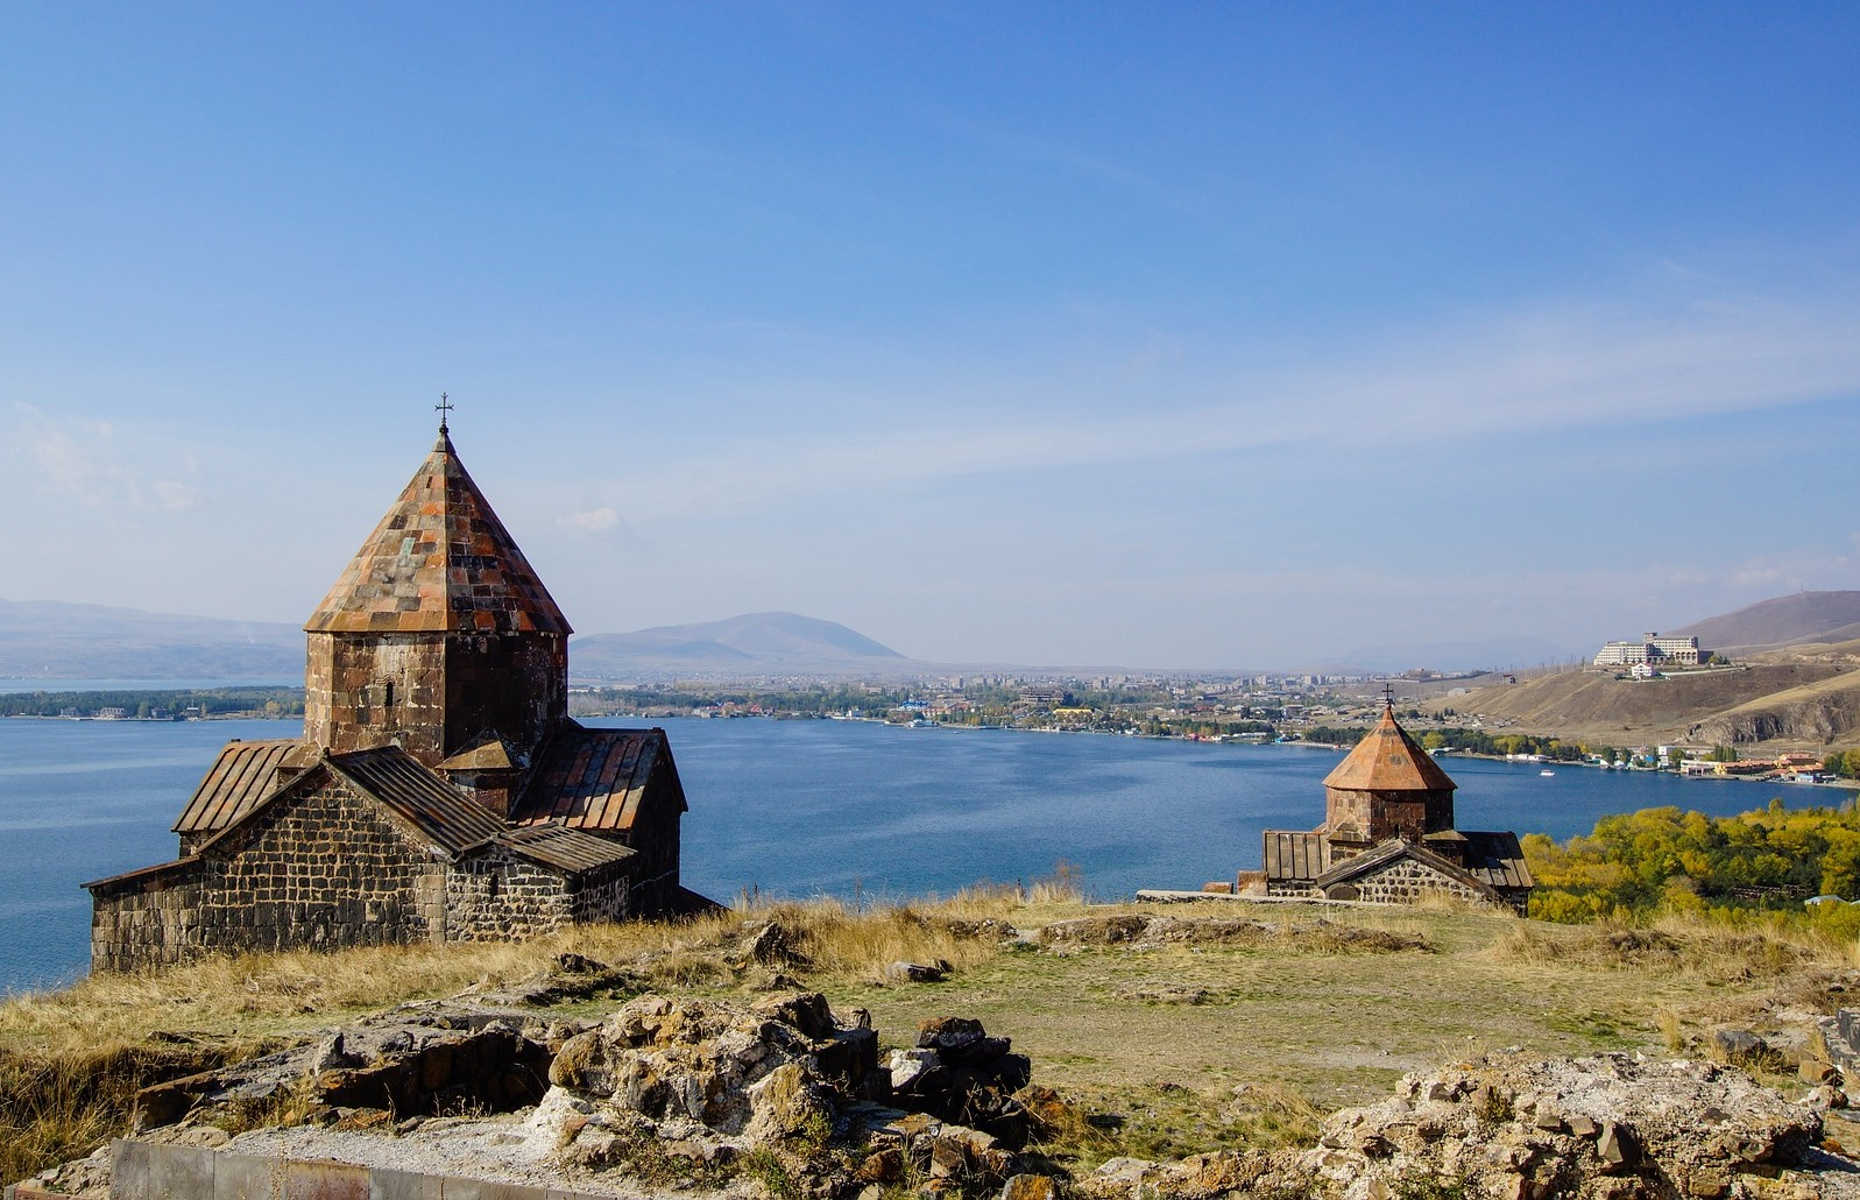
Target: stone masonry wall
<point>1406,881</point>
<point>1403,881</point>
<point>605,896</point>
<point>434,693</point>
<point>496,896</point>
<point>318,869</point>
<point>514,685</point>
<point>346,700</point>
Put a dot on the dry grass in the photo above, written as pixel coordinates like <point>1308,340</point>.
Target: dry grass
<point>1679,943</point>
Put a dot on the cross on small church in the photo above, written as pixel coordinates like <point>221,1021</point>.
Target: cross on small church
<point>1388,695</point>
<point>442,408</point>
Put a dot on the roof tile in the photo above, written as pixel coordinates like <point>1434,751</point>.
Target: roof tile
<point>443,546</point>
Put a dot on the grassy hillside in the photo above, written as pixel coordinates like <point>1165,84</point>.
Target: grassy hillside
<point>1796,703</point>
<point>1214,1038</point>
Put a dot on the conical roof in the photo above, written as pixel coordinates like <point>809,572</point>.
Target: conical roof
<point>439,561</point>
<point>1388,760</point>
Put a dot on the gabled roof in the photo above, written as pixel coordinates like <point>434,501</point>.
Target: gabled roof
<point>595,778</point>
<point>439,561</point>
<point>566,849</point>
<point>1398,848</point>
<point>445,815</point>
<point>243,774</point>
<point>1388,760</point>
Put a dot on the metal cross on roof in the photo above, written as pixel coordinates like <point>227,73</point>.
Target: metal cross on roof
<point>442,408</point>
<point>1388,695</point>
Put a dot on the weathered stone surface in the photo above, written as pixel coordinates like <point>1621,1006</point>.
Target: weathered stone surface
<point>910,972</point>
<point>710,1072</point>
<point>1030,1187</point>
<point>1578,1127</point>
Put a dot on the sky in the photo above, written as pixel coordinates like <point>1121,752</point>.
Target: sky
<point>1245,336</point>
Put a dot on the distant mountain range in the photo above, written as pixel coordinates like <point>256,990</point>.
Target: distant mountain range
<point>96,641</point>
<point>773,643</point>
<point>92,641</point>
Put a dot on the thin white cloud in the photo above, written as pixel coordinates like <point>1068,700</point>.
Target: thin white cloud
<point>174,496</point>
<point>1653,358</point>
<point>594,520</point>
<point>91,463</point>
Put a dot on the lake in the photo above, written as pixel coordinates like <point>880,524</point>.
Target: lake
<point>800,808</point>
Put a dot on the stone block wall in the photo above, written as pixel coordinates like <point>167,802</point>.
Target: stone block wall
<point>514,685</point>
<point>496,896</point>
<point>347,705</point>
<point>605,896</point>
<point>434,693</point>
<point>1405,881</point>
<point>318,869</point>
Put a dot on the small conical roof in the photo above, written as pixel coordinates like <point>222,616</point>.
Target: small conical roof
<point>1388,760</point>
<point>439,561</point>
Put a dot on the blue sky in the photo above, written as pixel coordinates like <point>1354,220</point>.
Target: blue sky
<point>1155,335</point>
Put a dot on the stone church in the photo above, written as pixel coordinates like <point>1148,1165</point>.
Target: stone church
<point>1388,835</point>
<point>440,791</point>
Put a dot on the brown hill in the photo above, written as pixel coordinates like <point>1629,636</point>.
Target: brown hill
<point>1785,620</point>
<point>1792,704</point>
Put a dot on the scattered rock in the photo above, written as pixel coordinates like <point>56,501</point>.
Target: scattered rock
<point>1738,1046</point>
<point>1030,1187</point>
<point>1140,931</point>
<point>1165,993</point>
<point>774,945</point>
<point>961,1075</point>
<point>910,972</point>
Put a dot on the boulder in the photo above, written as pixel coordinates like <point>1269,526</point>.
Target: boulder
<point>910,972</point>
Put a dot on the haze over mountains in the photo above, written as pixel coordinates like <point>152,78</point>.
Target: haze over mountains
<point>94,641</point>
<point>769,643</point>
<point>44,640</point>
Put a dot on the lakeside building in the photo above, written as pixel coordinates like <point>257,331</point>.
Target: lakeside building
<point>1388,835</point>
<point>1652,650</point>
<point>439,793</point>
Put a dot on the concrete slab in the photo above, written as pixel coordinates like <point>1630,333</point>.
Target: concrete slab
<point>129,1170</point>
<point>245,1177</point>
<point>180,1173</point>
<point>325,1181</point>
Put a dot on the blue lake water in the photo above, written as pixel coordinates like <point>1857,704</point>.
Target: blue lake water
<point>798,808</point>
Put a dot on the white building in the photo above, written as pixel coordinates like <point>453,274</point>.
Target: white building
<point>1653,650</point>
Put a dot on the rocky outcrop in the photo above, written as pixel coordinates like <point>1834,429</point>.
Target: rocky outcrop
<point>710,1081</point>
<point>1603,1127</point>
<point>414,1060</point>
<point>712,1070</point>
